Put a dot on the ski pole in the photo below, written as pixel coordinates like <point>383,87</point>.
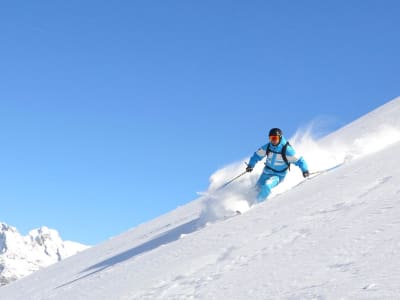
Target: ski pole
<point>326,170</point>
<point>230,181</point>
<point>316,172</point>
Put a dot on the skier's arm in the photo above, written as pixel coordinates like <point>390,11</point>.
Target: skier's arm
<point>257,156</point>
<point>301,163</point>
<point>298,161</point>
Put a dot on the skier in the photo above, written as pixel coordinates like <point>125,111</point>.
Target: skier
<point>280,154</point>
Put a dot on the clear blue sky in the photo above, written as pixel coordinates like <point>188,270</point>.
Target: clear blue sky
<point>114,112</point>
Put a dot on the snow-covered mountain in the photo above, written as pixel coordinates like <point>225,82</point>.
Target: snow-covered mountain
<point>335,236</point>
<point>23,255</point>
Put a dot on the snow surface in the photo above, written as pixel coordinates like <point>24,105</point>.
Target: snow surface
<point>335,236</point>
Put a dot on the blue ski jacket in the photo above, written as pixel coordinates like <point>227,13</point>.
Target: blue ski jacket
<point>275,164</point>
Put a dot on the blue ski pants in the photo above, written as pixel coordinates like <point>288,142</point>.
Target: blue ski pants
<point>265,184</point>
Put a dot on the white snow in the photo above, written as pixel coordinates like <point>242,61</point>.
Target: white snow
<point>336,236</point>
<point>23,255</point>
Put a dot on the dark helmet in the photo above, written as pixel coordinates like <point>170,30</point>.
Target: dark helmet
<point>275,131</point>
<point>275,136</point>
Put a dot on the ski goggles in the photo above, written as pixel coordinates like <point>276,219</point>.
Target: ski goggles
<point>275,139</point>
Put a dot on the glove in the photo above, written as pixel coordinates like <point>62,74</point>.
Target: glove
<point>249,169</point>
<point>306,174</point>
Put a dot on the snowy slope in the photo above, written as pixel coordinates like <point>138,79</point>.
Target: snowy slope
<point>23,255</point>
<point>336,236</point>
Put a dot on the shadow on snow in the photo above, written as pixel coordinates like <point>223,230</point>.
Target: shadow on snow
<point>162,239</point>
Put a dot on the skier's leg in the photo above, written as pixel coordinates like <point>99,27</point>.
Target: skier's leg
<point>260,186</point>
<point>265,186</point>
